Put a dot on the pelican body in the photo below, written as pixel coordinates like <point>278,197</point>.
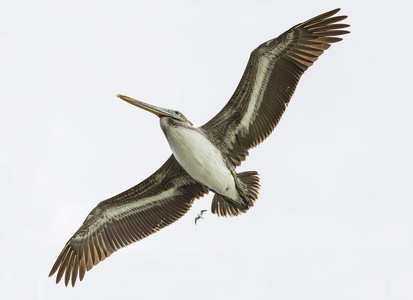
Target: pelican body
<point>200,158</point>
<point>204,159</point>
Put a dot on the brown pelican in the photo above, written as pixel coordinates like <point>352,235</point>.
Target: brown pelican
<point>204,159</point>
<point>199,216</point>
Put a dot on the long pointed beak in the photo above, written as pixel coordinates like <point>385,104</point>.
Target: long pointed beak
<point>159,111</point>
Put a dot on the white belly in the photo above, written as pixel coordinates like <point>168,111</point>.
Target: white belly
<point>202,160</point>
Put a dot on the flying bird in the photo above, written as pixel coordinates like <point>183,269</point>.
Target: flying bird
<point>204,158</point>
<point>200,215</point>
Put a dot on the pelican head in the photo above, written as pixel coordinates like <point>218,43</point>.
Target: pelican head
<point>174,115</point>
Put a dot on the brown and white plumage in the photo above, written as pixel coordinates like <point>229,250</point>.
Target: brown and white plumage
<point>151,205</point>
<point>268,83</point>
<point>250,116</point>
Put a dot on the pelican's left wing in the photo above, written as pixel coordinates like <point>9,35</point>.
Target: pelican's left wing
<point>151,205</point>
<point>268,83</point>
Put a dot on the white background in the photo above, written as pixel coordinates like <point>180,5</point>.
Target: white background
<point>334,219</point>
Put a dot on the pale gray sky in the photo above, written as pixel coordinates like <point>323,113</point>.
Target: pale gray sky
<point>334,219</point>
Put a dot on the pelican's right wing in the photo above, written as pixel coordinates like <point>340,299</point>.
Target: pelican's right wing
<point>151,205</point>
<point>268,83</point>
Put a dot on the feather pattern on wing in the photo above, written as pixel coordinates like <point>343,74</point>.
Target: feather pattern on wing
<point>128,217</point>
<point>268,83</point>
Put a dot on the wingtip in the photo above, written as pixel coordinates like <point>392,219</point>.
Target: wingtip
<point>333,11</point>
<point>52,271</point>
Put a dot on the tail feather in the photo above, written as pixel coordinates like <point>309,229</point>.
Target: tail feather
<point>252,181</point>
<point>223,206</point>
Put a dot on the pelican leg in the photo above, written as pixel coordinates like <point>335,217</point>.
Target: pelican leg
<point>240,188</point>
